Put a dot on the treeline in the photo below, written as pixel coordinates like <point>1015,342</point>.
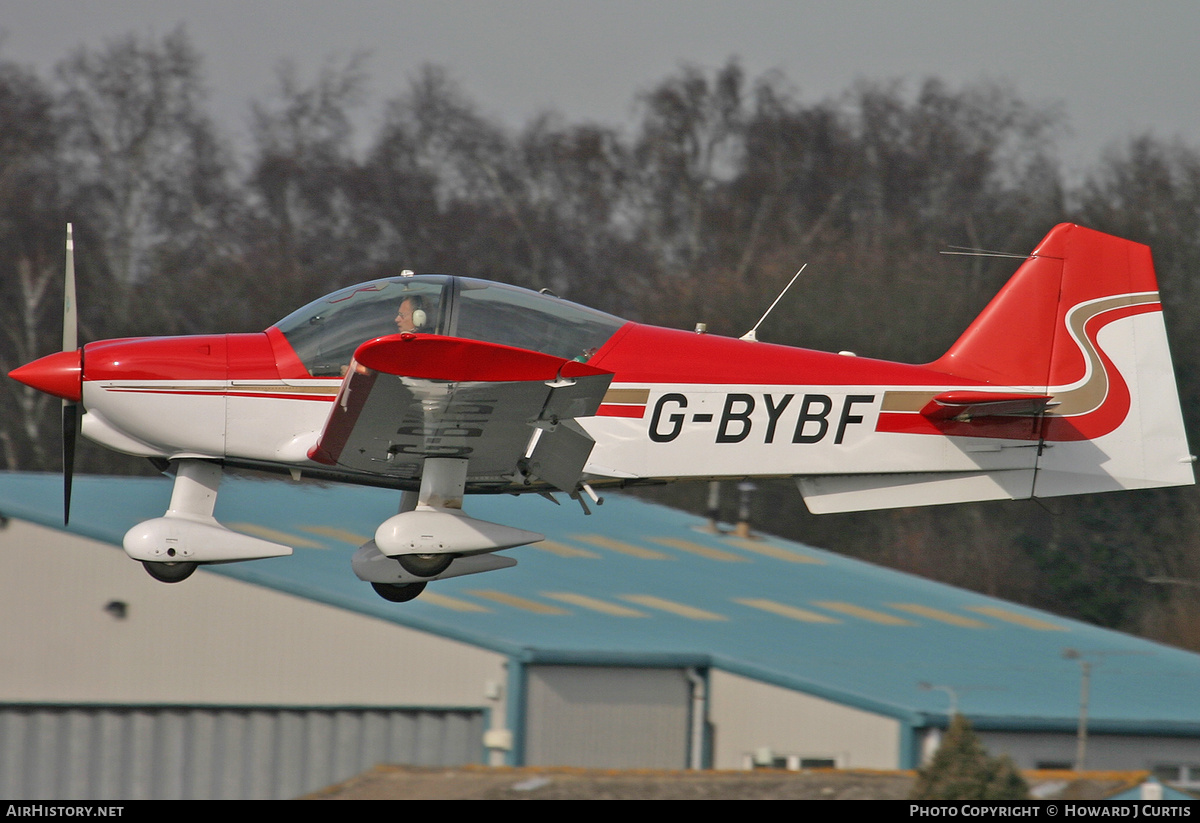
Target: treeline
<point>698,211</point>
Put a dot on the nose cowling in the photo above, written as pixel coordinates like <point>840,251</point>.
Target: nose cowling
<point>59,374</point>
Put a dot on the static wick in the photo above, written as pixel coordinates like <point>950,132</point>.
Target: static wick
<point>968,251</point>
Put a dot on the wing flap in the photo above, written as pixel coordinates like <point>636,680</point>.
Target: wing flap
<point>560,453</point>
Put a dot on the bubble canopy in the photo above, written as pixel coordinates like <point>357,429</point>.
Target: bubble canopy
<point>325,333</point>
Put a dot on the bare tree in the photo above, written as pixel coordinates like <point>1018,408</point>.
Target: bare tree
<point>688,149</point>
<point>30,266</point>
<point>144,170</point>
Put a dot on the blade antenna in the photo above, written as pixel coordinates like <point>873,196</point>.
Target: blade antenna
<point>751,335</point>
<point>70,409</point>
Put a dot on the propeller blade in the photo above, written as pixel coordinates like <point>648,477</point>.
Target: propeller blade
<point>70,431</point>
<point>70,322</point>
<point>70,409</point>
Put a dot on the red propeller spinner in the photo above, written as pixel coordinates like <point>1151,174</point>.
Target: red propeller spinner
<point>59,374</point>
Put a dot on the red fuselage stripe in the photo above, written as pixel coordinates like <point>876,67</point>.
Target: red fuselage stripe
<point>609,410</point>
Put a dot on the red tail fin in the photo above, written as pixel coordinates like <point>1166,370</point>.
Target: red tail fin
<point>1022,338</point>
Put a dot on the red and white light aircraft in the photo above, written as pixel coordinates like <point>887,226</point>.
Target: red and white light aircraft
<point>1063,385</point>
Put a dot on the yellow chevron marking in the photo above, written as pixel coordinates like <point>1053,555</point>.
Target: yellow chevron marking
<point>563,550</point>
<point>1020,619</point>
<point>603,606</point>
<point>517,602</point>
<point>623,548</point>
<point>452,603</point>
<point>276,536</point>
<point>696,548</point>
<point>784,610</point>
<point>337,534</point>
<point>681,609</point>
<point>776,552</point>
<point>938,614</point>
<point>863,613</point>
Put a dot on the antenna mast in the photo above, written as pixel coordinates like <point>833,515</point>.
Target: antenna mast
<point>750,335</point>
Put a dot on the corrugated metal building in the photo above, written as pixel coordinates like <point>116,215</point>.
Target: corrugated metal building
<point>631,638</point>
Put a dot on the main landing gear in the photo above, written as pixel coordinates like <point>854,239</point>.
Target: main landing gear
<point>431,537</point>
<point>398,593</point>
<point>169,572</point>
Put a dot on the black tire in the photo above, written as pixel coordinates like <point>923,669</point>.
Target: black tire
<point>424,565</point>
<point>397,593</point>
<point>169,572</point>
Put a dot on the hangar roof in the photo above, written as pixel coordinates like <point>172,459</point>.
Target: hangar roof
<point>641,584</point>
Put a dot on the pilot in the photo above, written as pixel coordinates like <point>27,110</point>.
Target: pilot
<point>411,316</point>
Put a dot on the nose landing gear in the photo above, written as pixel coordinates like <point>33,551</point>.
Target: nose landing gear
<point>169,572</point>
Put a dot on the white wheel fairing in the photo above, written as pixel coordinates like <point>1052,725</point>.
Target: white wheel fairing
<point>425,565</point>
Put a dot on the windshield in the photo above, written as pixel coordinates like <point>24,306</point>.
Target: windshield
<point>325,333</point>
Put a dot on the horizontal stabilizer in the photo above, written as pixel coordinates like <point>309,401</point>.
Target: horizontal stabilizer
<point>863,492</point>
<point>965,405</point>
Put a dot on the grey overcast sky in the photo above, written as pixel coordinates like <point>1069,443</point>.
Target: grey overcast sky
<point>1118,68</point>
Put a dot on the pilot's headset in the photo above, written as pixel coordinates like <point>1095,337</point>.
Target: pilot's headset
<point>419,317</point>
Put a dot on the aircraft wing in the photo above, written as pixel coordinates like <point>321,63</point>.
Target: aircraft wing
<point>508,411</point>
